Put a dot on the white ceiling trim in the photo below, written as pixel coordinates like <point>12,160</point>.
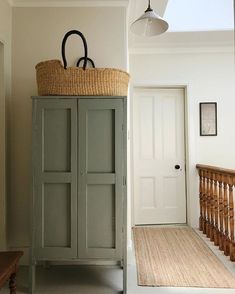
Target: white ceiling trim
<point>181,50</point>
<point>69,3</point>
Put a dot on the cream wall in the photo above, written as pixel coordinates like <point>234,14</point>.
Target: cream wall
<point>209,77</point>
<point>5,92</point>
<point>37,36</point>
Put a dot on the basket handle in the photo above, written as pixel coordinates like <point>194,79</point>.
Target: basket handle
<point>72,32</point>
<point>88,59</point>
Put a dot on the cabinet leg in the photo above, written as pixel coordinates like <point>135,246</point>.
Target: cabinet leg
<point>121,264</point>
<point>124,267</point>
<point>12,284</point>
<point>32,273</point>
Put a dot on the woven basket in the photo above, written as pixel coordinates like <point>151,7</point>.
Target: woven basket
<point>55,79</point>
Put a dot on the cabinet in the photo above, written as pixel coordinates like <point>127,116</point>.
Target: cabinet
<point>79,179</point>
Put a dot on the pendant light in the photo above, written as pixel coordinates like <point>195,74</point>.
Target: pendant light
<point>149,24</point>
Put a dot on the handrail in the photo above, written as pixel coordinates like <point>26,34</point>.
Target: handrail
<point>216,196</point>
<point>230,172</point>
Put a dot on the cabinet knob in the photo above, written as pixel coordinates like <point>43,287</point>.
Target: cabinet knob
<point>82,173</point>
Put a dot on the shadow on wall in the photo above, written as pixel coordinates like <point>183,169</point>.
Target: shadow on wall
<point>2,151</point>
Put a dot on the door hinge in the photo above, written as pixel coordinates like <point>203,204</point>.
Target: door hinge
<point>122,127</point>
<point>124,181</point>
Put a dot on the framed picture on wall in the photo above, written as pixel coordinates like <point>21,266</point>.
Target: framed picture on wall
<point>208,118</point>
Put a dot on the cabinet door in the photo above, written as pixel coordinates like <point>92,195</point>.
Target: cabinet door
<point>100,178</point>
<point>55,178</point>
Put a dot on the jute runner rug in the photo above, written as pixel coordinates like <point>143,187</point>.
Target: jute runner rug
<point>177,257</point>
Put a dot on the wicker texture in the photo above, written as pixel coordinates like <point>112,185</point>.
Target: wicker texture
<point>53,79</point>
<point>177,257</point>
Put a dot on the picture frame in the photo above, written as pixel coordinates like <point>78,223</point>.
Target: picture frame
<point>208,118</point>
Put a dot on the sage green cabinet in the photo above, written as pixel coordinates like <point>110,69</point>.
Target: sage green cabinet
<point>79,172</point>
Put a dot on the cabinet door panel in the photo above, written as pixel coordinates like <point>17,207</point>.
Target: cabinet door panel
<point>57,140</point>
<point>101,222</point>
<point>101,137</point>
<point>55,178</point>
<point>57,215</point>
<point>100,180</point>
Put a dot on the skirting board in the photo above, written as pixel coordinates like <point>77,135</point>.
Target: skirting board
<point>224,259</point>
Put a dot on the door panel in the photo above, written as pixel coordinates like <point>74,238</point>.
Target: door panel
<point>100,178</point>
<point>55,178</point>
<point>159,145</point>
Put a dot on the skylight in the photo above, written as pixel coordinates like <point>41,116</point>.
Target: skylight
<point>199,15</point>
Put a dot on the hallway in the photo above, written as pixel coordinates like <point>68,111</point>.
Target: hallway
<point>106,280</point>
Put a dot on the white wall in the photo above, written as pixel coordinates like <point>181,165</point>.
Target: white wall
<point>37,36</point>
<point>208,77</point>
<point>5,91</point>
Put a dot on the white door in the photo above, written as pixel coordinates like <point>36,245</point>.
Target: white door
<point>159,156</point>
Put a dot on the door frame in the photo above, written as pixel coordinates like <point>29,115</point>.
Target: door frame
<point>3,165</point>
<point>184,87</point>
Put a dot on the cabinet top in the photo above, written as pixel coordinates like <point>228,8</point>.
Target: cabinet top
<point>78,97</point>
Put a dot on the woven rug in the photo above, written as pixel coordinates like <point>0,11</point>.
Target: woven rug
<point>177,257</point>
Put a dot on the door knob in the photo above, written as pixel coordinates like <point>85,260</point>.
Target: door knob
<point>177,166</point>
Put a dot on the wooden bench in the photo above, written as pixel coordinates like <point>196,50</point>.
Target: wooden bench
<point>8,267</point>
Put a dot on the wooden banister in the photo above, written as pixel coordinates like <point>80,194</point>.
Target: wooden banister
<point>216,169</point>
<point>216,196</point>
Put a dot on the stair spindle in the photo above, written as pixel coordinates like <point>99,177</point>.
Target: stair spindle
<point>216,208</point>
<point>226,243</point>
<point>201,199</point>
<point>204,202</point>
<point>231,219</point>
<point>208,205</point>
<point>212,224</point>
<point>221,218</point>
<point>216,196</point>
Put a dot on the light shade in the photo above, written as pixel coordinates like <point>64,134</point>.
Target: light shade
<point>149,24</point>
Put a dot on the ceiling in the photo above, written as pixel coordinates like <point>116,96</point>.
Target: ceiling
<point>192,22</point>
<point>199,15</point>
<point>182,15</point>
<point>189,15</point>
<point>68,3</point>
